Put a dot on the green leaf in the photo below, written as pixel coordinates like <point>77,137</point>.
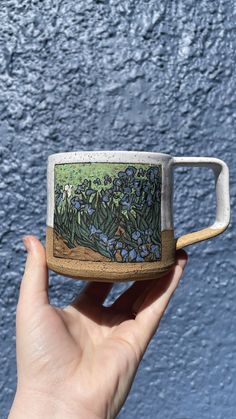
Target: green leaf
<point>102,250</point>
<point>132,220</point>
<point>113,229</point>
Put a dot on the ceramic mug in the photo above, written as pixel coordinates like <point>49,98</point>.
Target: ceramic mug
<point>109,213</point>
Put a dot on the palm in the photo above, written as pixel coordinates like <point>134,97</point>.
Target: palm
<point>86,352</point>
<point>84,336</point>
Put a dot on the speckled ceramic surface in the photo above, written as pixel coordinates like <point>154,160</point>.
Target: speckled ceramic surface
<point>109,213</point>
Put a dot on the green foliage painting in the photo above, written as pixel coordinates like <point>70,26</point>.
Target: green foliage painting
<point>112,208</point>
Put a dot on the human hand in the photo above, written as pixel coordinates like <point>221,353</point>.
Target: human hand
<point>80,361</point>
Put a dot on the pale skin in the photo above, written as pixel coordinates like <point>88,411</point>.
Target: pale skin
<point>80,361</point>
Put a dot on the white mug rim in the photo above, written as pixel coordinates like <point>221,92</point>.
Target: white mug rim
<point>107,155</point>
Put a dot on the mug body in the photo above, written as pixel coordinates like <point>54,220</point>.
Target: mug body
<point>109,215</point>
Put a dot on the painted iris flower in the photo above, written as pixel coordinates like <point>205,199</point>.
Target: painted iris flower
<point>127,202</point>
<point>89,192</point>
<point>149,200</point>
<point>97,181</point>
<point>94,230</point>
<point>155,250</point>
<point>76,203</point>
<point>130,171</point>
<point>121,174</point>
<point>80,188</point>
<point>153,173</point>
<point>89,209</point>
<point>107,179</point>
<point>136,234</point>
<point>132,254</point>
<point>125,254</point>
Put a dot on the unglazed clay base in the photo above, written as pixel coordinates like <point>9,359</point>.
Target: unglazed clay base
<point>108,271</point>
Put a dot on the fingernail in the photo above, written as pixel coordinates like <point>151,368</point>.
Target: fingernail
<point>27,243</point>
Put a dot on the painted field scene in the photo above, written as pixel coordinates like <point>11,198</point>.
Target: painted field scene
<point>107,212</point>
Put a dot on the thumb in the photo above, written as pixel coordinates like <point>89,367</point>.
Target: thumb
<point>34,284</point>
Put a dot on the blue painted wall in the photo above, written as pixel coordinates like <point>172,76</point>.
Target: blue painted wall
<point>131,75</point>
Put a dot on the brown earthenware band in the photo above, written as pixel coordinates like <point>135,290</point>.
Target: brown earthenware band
<point>109,271</point>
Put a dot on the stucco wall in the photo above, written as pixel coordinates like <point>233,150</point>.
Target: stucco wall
<point>132,75</point>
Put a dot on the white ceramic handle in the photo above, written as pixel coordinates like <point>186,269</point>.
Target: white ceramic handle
<point>221,172</point>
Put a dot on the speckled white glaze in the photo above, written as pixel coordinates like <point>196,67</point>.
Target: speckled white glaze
<point>166,161</point>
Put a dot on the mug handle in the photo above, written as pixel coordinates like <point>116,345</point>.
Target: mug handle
<point>222,219</point>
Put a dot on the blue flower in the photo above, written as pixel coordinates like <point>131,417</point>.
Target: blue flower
<point>80,188</point>
<point>126,202</point>
<point>97,181</point>
<point>139,259</point>
<point>130,171</point>
<point>89,192</point>
<point>127,190</point>
<point>111,244</point>
<point>146,187</point>
<point>144,250</point>
<point>155,250</point>
<point>124,254</point>
<point>90,210</point>
<point>119,245</point>
<point>136,183</point>
<point>138,206</point>
<point>149,231</point>
<point>121,174</point>
<point>107,179</point>
<point>149,200</point>
<point>132,254</point>
<point>76,203</point>
<point>105,197</point>
<point>136,234</point>
<point>117,182</point>
<point>59,198</point>
<point>103,237</point>
<point>94,230</point>
<point>153,173</point>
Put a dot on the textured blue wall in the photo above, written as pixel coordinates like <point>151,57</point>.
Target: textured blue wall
<point>134,75</point>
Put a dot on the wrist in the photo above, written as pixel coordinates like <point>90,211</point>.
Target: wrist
<point>42,405</point>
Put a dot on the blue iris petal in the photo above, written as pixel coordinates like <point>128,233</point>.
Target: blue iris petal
<point>132,254</point>
<point>105,198</point>
<point>80,188</point>
<point>76,203</point>
<point>97,181</point>
<point>94,230</point>
<point>149,231</point>
<point>89,192</point>
<point>155,250</point>
<point>144,250</point>
<point>90,210</point>
<point>127,190</point>
<point>124,254</point>
<point>149,200</point>
<point>103,237</point>
<point>136,234</point>
<point>119,245</point>
<point>139,259</point>
<point>121,174</point>
<point>117,182</point>
<point>130,171</point>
